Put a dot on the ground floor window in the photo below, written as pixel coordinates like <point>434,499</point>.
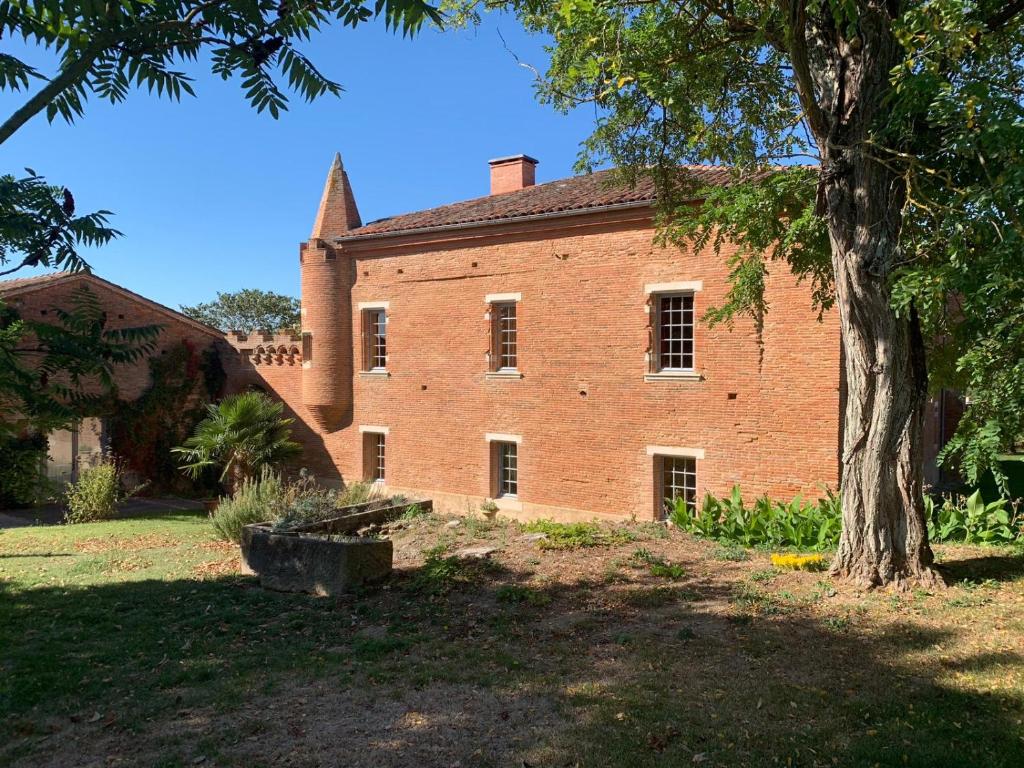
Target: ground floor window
<point>507,456</point>
<point>678,481</point>
<point>374,454</point>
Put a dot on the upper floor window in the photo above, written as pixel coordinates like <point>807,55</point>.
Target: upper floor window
<point>375,330</point>
<point>503,315</point>
<point>504,336</point>
<point>674,331</point>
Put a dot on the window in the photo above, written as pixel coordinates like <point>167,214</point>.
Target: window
<point>374,456</point>
<point>674,328</point>
<point>307,347</point>
<point>678,481</point>
<point>508,469</point>
<point>375,329</point>
<point>504,336</point>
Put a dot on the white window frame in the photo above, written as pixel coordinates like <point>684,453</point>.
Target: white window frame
<point>655,292</point>
<point>495,370</point>
<point>661,453</point>
<point>376,464</point>
<point>369,334</point>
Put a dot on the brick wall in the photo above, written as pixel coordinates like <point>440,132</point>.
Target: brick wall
<point>123,311</point>
<point>765,413</point>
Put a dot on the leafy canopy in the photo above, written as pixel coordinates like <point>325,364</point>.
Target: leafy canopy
<point>248,310</point>
<point>106,48</point>
<point>676,82</point>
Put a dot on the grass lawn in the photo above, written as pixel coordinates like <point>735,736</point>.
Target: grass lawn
<point>138,642</point>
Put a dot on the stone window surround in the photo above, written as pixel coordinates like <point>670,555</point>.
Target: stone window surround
<point>364,307</point>
<point>500,298</point>
<point>659,452</point>
<point>654,289</point>
<point>504,503</point>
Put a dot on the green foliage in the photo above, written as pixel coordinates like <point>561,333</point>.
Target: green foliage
<point>658,566</point>
<point>39,225</point>
<point>22,482</point>
<point>440,573</point>
<point>45,367</point>
<point>241,434</point>
<point>732,553</point>
<point>144,430</point>
<point>248,310</point>
<point>268,498</point>
<point>522,595</point>
<point>575,535</point>
<point>255,500</point>
<point>304,502</point>
<point>414,512</point>
<point>96,493</point>
<point>766,523</point>
<point>971,521</point>
<point>105,50</point>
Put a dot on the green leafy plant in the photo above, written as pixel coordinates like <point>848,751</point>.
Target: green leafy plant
<point>658,566</point>
<point>96,493</point>
<point>972,521</point>
<point>575,535</point>
<point>765,523</point>
<point>241,434</point>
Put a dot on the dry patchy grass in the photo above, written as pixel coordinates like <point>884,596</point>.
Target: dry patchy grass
<point>647,648</point>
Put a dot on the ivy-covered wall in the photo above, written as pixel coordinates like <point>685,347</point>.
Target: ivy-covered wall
<point>143,431</point>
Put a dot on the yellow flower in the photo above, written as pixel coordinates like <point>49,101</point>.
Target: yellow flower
<point>794,562</point>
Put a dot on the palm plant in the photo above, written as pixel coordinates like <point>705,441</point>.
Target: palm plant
<point>242,433</point>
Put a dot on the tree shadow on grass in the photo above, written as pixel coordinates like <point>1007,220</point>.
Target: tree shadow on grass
<point>1007,566</point>
<point>479,664</point>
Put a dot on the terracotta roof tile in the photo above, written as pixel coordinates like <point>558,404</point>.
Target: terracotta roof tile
<point>577,193</point>
<point>16,283</point>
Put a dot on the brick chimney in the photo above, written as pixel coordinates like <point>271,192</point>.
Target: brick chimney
<point>511,173</point>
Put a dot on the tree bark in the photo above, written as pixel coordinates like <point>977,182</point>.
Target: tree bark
<point>884,538</point>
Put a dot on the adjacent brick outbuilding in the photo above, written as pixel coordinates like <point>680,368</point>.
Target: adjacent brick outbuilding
<point>38,298</point>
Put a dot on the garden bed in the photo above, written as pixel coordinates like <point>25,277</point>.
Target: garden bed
<point>324,557</point>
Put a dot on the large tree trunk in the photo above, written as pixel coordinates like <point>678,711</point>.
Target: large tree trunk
<point>884,539</point>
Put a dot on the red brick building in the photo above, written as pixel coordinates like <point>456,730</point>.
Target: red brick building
<point>535,347</point>
<point>38,298</point>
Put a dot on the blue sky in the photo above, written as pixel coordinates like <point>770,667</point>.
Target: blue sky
<point>211,196</point>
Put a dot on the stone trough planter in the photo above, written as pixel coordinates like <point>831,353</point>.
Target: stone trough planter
<point>323,558</point>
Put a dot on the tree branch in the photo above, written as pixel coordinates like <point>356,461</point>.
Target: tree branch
<point>66,78</point>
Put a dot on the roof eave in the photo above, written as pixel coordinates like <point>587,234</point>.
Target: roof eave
<point>496,222</point>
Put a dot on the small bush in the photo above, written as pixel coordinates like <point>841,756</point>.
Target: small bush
<point>575,535</point>
<point>95,495</point>
<point>254,501</point>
